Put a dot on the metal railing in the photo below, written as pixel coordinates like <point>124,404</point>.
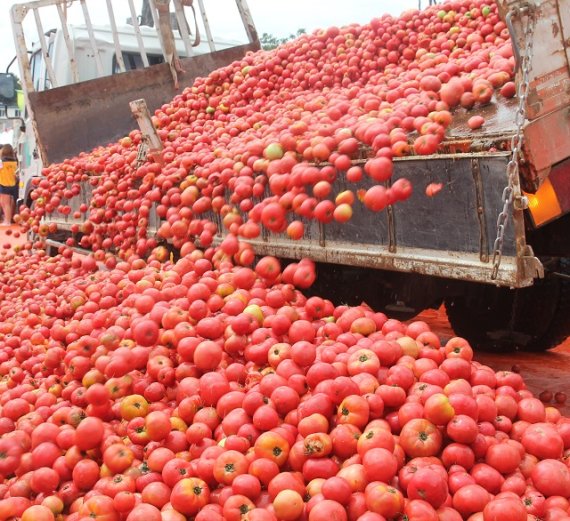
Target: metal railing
<point>182,15</point>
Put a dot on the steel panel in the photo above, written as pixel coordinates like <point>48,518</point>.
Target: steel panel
<point>79,117</point>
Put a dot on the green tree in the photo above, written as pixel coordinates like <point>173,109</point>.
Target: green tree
<point>269,41</point>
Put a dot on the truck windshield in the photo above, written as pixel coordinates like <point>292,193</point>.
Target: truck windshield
<point>133,60</point>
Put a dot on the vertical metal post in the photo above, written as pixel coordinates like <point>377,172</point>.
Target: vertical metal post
<point>183,27</point>
<point>138,33</point>
<point>67,39</point>
<point>247,21</point>
<point>17,15</point>
<point>150,136</point>
<point>207,26</point>
<point>45,54</point>
<point>118,51</point>
<point>92,40</point>
<point>156,24</point>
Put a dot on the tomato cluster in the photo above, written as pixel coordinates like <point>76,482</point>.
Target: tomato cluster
<point>203,388</point>
<point>200,389</point>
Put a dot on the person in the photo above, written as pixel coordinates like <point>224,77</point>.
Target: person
<point>8,182</point>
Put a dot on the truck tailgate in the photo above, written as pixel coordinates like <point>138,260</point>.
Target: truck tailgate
<point>449,235</point>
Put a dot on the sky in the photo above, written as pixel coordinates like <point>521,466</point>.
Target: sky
<point>277,17</point>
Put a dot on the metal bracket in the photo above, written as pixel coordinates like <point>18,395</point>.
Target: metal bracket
<point>141,113</point>
<point>531,265</point>
<point>392,243</point>
<point>483,239</point>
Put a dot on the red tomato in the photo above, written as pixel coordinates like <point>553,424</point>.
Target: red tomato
<point>504,457</point>
<point>419,510</point>
<point>420,438</point>
<point>543,441</point>
<point>189,495</point>
<point>379,465</point>
<point>286,481</point>
<point>236,506</point>
<point>470,499</point>
<point>487,477</point>
<point>146,512</point>
<point>354,410</point>
<point>462,429</point>
<point>384,500</point>
<point>229,465</point>
<point>100,508</point>
<point>375,437</point>
<point>118,457</point>
<point>272,446</point>
<point>429,485</point>
<point>551,478</point>
<point>507,508</point>
<point>326,510</point>
<point>85,474</point>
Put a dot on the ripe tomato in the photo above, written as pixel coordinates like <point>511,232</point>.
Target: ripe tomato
<point>384,500</point>
<point>470,499</point>
<point>85,474</point>
<point>189,495</point>
<point>375,437</point>
<point>326,510</point>
<point>551,478</point>
<point>504,457</point>
<point>420,510</point>
<point>543,441</point>
<point>354,410</point>
<point>100,508</point>
<point>420,438</point>
<point>89,433</point>
<point>505,508</point>
<point>157,425</point>
<point>229,465</point>
<point>236,506</point>
<point>429,485</point>
<point>379,465</point>
<point>288,505</point>
<point>462,429</point>
<point>272,446</point>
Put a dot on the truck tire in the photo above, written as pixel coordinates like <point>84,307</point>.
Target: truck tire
<point>529,319</point>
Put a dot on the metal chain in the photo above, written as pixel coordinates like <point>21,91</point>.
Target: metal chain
<point>142,153</point>
<point>516,145</point>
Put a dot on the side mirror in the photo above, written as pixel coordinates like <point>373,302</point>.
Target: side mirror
<point>8,94</point>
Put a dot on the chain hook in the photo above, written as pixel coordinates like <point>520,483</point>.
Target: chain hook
<point>511,193</point>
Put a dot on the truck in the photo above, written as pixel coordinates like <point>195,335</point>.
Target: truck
<point>85,69</point>
<point>492,247</point>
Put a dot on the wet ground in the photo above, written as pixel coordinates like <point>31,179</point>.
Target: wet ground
<point>541,371</point>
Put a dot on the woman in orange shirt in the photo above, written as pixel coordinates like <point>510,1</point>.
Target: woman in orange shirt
<point>8,174</point>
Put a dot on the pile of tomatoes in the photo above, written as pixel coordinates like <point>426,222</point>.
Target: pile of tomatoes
<point>141,385</point>
<point>199,389</point>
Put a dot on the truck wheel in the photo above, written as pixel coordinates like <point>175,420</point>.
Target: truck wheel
<point>528,319</point>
